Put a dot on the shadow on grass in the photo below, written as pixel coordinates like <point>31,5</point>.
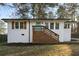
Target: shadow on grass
<point>44,49</point>
<point>31,44</point>
<point>75,49</point>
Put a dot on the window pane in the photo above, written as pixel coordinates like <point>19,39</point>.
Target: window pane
<point>38,28</point>
<point>51,25</point>
<point>13,25</point>
<point>65,26</point>
<point>68,25</point>
<point>16,25</point>
<point>25,25</point>
<point>46,24</point>
<point>38,22</point>
<point>21,25</point>
<point>56,25</point>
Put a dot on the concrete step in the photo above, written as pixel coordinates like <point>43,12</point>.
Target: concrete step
<point>74,39</point>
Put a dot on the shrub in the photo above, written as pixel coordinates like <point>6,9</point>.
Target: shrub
<point>3,38</point>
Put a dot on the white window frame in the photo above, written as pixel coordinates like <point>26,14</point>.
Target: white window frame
<point>56,25</point>
<point>14,25</point>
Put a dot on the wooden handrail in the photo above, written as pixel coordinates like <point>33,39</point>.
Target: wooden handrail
<point>49,32</point>
<point>52,31</point>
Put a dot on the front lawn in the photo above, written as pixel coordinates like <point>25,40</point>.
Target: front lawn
<point>39,50</point>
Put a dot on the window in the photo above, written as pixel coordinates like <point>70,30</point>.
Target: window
<point>38,28</point>
<point>51,25</point>
<point>38,23</point>
<point>13,25</point>
<point>25,25</point>
<point>66,26</point>
<point>21,25</point>
<point>17,25</point>
<point>46,24</point>
<point>56,25</point>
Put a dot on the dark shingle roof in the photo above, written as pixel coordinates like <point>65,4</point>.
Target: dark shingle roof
<point>37,19</point>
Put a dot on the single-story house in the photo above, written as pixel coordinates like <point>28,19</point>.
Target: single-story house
<point>38,30</point>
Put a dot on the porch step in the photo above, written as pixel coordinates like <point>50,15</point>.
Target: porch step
<point>75,39</point>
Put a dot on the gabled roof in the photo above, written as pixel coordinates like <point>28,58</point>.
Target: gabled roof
<point>37,19</point>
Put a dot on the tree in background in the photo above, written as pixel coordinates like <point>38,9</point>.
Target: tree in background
<point>39,10</point>
<point>36,10</point>
<point>69,10</point>
<point>2,27</point>
<point>2,23</point>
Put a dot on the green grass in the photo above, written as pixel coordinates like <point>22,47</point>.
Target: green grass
<point>39,50</point>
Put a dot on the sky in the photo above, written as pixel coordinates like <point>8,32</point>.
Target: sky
<point>6,12</point>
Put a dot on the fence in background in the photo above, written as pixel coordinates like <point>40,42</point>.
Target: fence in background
<point>3,38</point>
